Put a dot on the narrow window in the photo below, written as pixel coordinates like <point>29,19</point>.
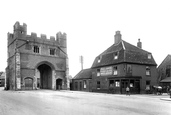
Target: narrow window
<point>52,51</point>
<point>98,84</point>
<point>36,49</point>
<point>84,84</point>
<point>147,70</point>
<point>98,72</point>
<point>147,85</point>
<point>129,68</point>
<point>116,55</point>
<point>115,70</point>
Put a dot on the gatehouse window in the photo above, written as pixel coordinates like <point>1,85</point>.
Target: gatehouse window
<point>115,70</point>
<point>148,71</point>
<point>52,51</point>
<point>36,49</point>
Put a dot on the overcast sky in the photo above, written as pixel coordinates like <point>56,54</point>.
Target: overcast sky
<point>90,25</point>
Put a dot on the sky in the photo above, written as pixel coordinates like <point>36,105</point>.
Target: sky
<point>90,25</point>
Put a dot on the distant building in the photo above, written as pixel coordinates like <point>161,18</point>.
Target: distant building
<point>119,66</point>
<point>2,79</point>
<point>164,72</point>
<point>36,62</point>
<point>82,81</point>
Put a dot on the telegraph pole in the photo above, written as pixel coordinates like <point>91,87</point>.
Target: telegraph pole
<point>81,61</point>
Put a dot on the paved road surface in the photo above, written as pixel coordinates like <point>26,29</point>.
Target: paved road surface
<point>47,102</point>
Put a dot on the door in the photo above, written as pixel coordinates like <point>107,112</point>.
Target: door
<point>124,84</point>
<point>28,83</point>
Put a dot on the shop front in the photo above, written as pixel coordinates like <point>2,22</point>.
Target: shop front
<point>118,84</point>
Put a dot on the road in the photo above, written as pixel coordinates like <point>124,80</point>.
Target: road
<point>48,102</point>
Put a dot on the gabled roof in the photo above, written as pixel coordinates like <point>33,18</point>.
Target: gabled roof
<point>2,75</point>
<point>127,53</point>
<point>165,62</point>
<point>84,74</point>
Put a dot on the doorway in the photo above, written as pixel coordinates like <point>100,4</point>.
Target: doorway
<point>58,84</point>
<point>28,83</point>
<point>45,76</point>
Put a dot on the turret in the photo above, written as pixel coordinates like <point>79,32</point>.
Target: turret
<point>20,30</point>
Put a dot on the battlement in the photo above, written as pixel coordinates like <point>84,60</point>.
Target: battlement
<point>20,32</point>
<point>19,27</point>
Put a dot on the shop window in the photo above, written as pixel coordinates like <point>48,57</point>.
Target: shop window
<point>116,55</point>
<point>111,83</point>
<point>52,51</point>
<point>36,49</point>
<point>168,69</point>
<point>117,83</point>
<point>131,83</point>
<point>115,70</point>
<point>84,84</point>
<point>148,71</point>
<point>98,84</point>
<point>98,72</point>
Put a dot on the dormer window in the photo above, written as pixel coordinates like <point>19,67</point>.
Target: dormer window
<point>99,59</point>
<point>116,55</point>
<point>149,56</point>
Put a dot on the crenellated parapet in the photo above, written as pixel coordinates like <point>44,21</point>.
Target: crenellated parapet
<point>20,32</point>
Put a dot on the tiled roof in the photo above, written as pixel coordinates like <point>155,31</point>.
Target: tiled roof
<point>126,53</point>
<point>84,74</point>
<point>165,62</point>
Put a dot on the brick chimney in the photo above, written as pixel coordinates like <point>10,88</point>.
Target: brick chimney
<point>117,37</point>
<point>139,44</point>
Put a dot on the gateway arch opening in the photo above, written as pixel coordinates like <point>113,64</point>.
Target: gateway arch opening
<point>45,76</point>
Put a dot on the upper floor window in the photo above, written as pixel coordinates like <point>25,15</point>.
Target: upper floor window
<point>98,72</point>
<point>148,70</point>
<point>149,56</point>
<point>116,55</point>
<point>35,49</point>
<point>129,68</point>
<point>115,70</point>
<point>52,51</point>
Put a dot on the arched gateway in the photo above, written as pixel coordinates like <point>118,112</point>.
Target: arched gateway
<point>44,75</point>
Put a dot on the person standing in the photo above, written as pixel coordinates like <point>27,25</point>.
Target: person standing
<point>127,91</point>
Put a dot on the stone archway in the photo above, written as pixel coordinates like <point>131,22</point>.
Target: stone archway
<point>45,76</point>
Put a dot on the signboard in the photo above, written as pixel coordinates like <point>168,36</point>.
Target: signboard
<point>106,71</point>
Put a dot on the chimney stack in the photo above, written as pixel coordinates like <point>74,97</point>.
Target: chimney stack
<point>117,37</point>
<point>139,44</point>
